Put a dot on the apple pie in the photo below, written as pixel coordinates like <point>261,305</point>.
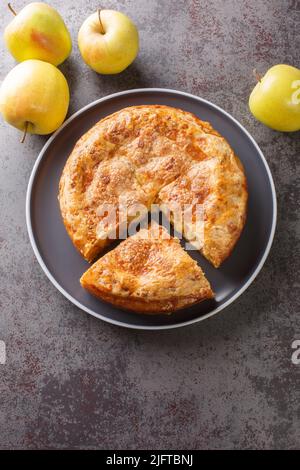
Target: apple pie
<point>217,186</point>
<point>148,272</point>
<point>153,154</point>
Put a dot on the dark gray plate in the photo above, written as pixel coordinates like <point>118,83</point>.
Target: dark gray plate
<point>64,265</point>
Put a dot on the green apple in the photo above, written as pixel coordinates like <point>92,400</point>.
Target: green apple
<point>34,97</point>
<point>38,32</point>
<point>108,41</point>
<point>275,100</point>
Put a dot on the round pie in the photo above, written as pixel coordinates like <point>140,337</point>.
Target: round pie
<point>143,155</point>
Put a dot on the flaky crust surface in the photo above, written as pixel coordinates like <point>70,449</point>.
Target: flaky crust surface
<point>148,272</point>
<point>147,154</point>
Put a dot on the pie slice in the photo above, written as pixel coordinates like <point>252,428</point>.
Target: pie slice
<point>148,272</point>
<point>208,205</point>
<point>96,202</point>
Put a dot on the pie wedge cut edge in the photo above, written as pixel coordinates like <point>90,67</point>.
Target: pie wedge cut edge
<point>148,154</point>
<point>148,272</point>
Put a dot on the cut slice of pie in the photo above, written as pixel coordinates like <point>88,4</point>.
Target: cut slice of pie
<point>91,199</point>
<point>209,202</point>
<point>148,272</point>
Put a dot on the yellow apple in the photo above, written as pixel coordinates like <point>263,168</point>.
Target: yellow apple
<point>275,100</point>
<point>108,41</point>
<point>34,97</point>
<point>38,32</point>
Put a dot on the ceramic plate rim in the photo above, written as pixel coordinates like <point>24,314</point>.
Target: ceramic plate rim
<point>120,323</point>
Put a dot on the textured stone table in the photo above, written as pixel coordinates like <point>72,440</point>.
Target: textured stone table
<point>71,381</point>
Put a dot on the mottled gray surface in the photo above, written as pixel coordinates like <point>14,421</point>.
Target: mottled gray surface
<point>71,381</point>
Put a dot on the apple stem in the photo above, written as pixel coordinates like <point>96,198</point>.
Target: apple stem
<point>257,75</point>
<point>101,25</point>
<point>24,133</point>
<point>11,9</point>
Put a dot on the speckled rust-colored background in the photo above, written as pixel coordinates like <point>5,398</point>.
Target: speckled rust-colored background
<point>71,381</point>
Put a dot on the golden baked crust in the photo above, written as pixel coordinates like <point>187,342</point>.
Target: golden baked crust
<point>147,154</point>
<point>148,273</point>
<point>218,186</point>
